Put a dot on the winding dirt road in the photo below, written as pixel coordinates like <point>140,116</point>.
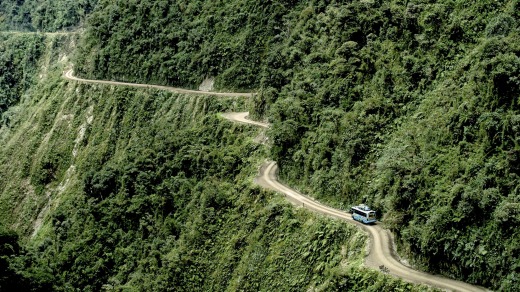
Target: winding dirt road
<point>69,75</point>
<point>381,251</point>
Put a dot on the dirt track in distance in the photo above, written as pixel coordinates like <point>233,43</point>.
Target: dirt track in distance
<point>242,118</point>
<point>69,75</point>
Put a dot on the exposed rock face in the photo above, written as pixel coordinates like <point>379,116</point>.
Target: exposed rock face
<point>207,84</point>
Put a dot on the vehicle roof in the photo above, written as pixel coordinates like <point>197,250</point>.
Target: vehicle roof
<point>363,207</point>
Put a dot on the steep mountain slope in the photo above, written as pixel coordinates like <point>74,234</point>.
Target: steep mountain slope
<point>106,187</point>
<point>412,107</point>
<point>18,66</point>
<point>420,123</point>
<point>181,42</point>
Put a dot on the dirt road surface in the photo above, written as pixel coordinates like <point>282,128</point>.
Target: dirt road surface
<point>242,118</point>
<point>381,243</point>
<point>69,75</point>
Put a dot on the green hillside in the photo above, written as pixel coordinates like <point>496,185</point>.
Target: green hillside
<point>410,107</point>
<point>112,188</point>
<point>18,66</point>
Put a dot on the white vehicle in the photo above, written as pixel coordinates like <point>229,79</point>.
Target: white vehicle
<point>362,213</point>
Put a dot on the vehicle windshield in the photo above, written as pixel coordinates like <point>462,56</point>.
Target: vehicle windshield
<point>372,215</point>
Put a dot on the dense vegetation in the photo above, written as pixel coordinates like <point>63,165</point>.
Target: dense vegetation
<point>416,111</point>
<point>412,107</point>
<point>181,42</point>
<point>43,15</point>
<point>112,188</point>
<point>18,66</point>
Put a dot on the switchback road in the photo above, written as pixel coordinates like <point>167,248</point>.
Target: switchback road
<point>381,246</point>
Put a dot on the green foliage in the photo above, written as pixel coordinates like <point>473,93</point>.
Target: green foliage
<point>368,280</point>
<point>409,107</point>
<point>500,25</point>
<point>16,272</point>
<point>179,42</point>
<point>19,56</point>
<point>8,242</point>
<point>150,190</point>
<point>47,15</point>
